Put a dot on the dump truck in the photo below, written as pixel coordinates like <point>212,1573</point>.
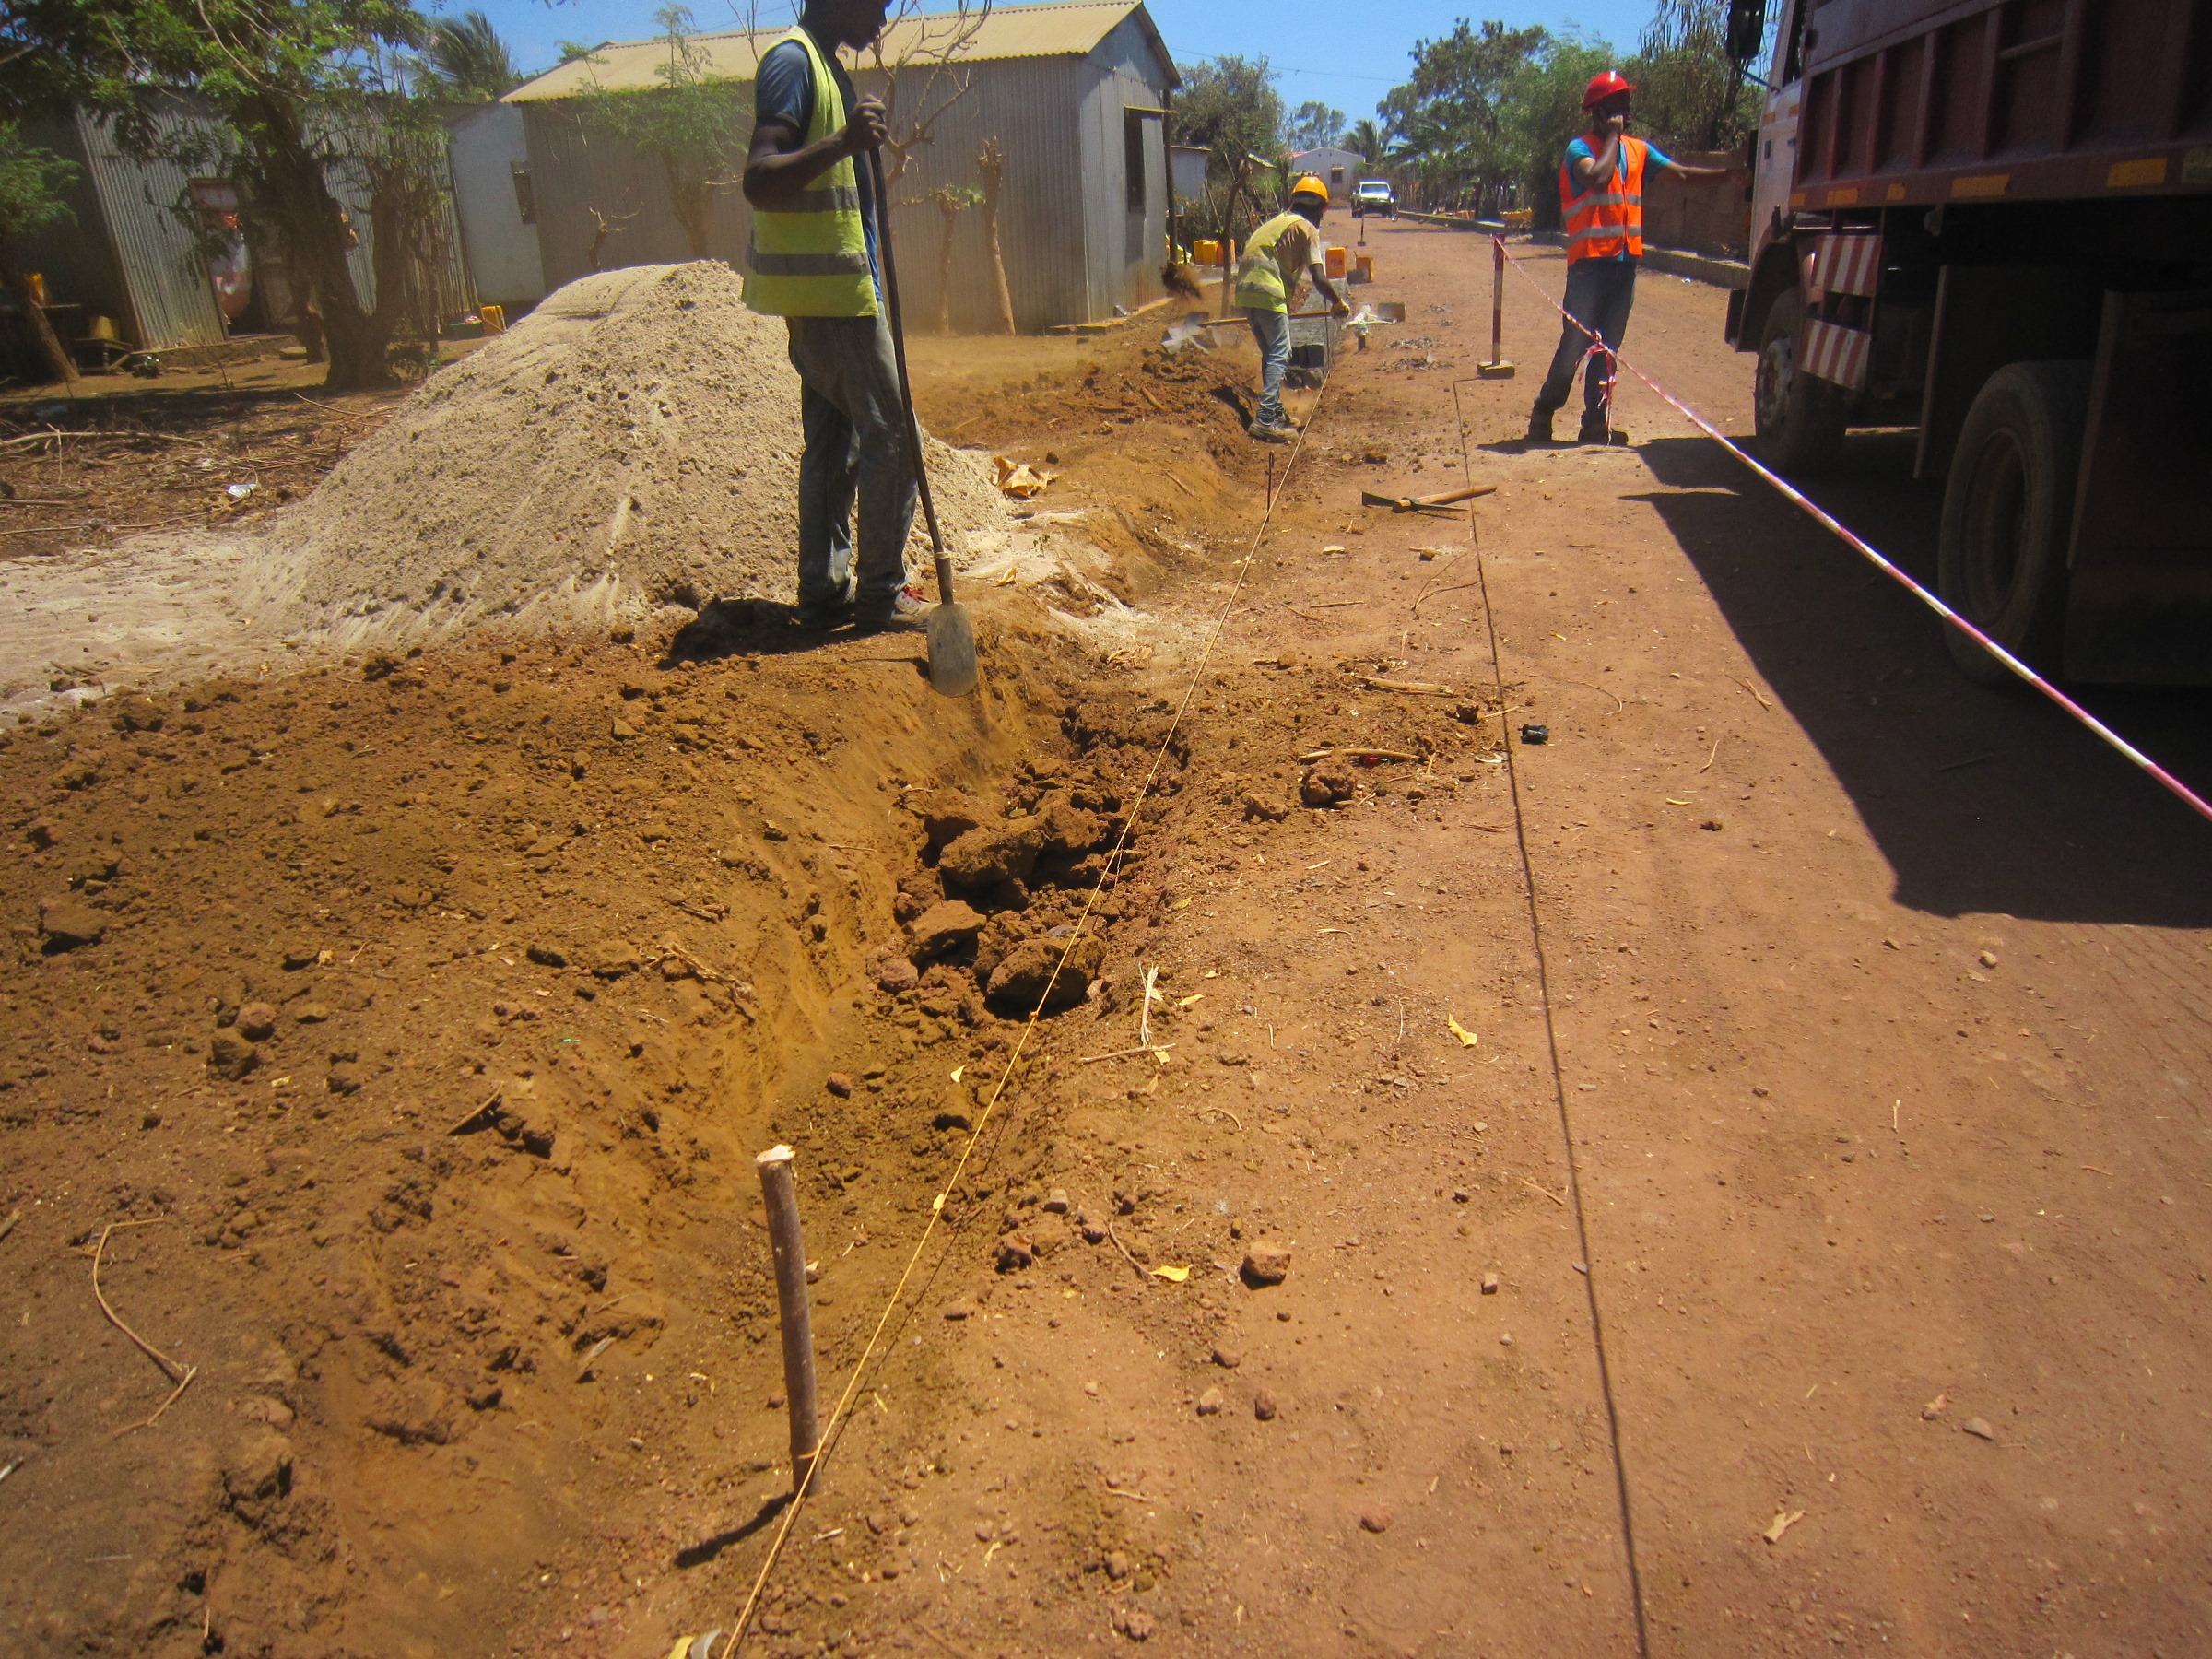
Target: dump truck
<point>1992,222</point>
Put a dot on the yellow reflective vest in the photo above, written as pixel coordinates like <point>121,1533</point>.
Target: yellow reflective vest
<point>811,259</point>
<point>1264,281</point>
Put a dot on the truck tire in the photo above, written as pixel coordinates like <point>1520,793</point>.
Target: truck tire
<point>2009,513</point>
<point>1799,419</point>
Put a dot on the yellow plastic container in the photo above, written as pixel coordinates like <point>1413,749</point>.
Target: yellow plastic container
<point>1335,262</point>
<point>1205,252</point>
<point>495,318</point>
<point>1363,268</point>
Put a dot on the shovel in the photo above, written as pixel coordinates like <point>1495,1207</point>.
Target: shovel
<point>950,634</point>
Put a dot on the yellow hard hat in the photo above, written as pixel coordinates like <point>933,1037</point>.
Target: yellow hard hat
<point>1311,185</point>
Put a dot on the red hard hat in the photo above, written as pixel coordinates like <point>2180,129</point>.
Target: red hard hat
<point>1603,86</point>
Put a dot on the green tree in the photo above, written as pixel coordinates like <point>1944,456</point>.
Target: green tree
<point>1229,107</point>
<point>1453,117</point>
<point>1313,124</point>
<point>695,125</point>
<point>300,92</point>
<point>1688,92</point>
<point>31,183</point>
<point>468,61</point>
<point>1366,137</point>
<point>1544,111</point>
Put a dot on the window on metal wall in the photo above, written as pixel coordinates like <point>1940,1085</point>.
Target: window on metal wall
<point>526,195</point>
<point>1133,157</point>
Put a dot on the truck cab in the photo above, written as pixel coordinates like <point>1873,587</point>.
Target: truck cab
<point>1993,223</point>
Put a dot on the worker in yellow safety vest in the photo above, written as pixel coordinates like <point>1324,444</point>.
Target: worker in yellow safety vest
<point>1281,253</point>
<point>1601,209</point>
<point>814,262</point>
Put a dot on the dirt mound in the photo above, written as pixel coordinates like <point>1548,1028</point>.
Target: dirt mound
<point>633,445</point>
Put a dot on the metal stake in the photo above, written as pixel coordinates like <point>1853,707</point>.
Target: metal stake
<point>780,1192</point>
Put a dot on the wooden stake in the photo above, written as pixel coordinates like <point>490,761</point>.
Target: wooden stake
<point>780,1192</point>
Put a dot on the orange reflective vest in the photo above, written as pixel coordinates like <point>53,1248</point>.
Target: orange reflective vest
<point>1607,219</point>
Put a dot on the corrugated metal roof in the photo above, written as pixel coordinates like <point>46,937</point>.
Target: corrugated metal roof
<point>1062,29</point>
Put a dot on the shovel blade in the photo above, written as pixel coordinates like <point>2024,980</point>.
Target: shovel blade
<point>952,671</point>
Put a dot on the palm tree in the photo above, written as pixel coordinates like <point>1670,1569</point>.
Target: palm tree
<point>1367,138</point>
<point>468,62</point>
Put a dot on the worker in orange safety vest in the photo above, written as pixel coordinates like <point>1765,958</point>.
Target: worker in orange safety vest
<point>1601,207</point>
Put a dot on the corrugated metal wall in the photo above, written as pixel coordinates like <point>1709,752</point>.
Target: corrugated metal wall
<point>1127,248</point>
<point>168,296</point>
<point>75,256</point>
<point>1071,251</point>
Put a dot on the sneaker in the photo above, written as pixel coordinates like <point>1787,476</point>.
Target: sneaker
<point>1539,426</point>
<point>905,613</point>
<point>1270,431</point>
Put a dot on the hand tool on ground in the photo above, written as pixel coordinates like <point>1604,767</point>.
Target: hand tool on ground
<point>950,634</point>
<point>1440,504</point>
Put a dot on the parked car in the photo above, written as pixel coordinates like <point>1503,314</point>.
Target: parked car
<point>1374,195</point>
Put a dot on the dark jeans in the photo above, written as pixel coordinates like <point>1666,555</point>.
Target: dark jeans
<point>856,446</point>
<point>1599,294</point>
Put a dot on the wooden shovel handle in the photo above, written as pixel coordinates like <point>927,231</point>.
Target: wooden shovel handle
<point>1449,497</point>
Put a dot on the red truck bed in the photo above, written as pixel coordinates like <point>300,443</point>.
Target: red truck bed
<point>1919,101</point>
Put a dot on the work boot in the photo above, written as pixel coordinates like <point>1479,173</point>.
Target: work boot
<point>1539,426</point>
<point>1593,430</point>
<point>1271,431</point>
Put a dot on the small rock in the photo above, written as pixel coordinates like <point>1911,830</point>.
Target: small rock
<point>546,956</point>
<point>895,974</point>
<point>260,1469</point>
<point>945,926</point>
<point>989,853</point>
<point>1227,1358</point>
<point>231,1056</point>
<point>1117,1565</point>
<point>838,1084</point>
<point>621,728</point>
<point>1979,1428</point>
<point>1057,1201</point>
<point>1989,959</point>
<point>41,834</point>
<point>1263,1406</point>
<point>257,1021</point>
<point>1266,1264</point>
<point>1933,1408</point>
<point>345,1078</point>
<point>1711,824</point>
<point>1094,1233</point>
<point>613,959</point>
<point>1375,1518</point>
<point>958,1311</point>
<point>1320,788</point>
<point>1489,1284</point>
<point>1268,807</point>
<point>312,1012</point>
<point>1505,1339</point>
<point>1134,1623</point>
<point>298,956</point>
<point>1016,1252</point>
<point>1211,1402</point>
<point>70,924</point>
<point>947,813</point>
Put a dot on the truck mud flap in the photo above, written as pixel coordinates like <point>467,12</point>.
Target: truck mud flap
<point>2139,596</point>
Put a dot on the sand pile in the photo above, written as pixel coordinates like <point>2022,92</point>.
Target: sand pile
<point>634,444</point>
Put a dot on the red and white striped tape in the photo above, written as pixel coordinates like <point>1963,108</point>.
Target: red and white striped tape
<point>2111,739</point>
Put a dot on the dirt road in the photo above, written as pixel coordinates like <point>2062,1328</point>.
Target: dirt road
<point>1741,1162</point>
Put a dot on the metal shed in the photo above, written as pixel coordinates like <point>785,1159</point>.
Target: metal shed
<point>129,251</point>
<point>1074,92</point>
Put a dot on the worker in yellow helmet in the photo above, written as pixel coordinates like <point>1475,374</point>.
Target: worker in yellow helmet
<point>1281,254</point>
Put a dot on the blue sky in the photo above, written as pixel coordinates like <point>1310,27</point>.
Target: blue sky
<point>1322,50</point>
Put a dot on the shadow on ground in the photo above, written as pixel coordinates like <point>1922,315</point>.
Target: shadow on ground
<point>1982,800</point>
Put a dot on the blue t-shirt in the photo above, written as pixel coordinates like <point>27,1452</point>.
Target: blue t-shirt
<point>784,91</point>
<point>1577,149</point>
